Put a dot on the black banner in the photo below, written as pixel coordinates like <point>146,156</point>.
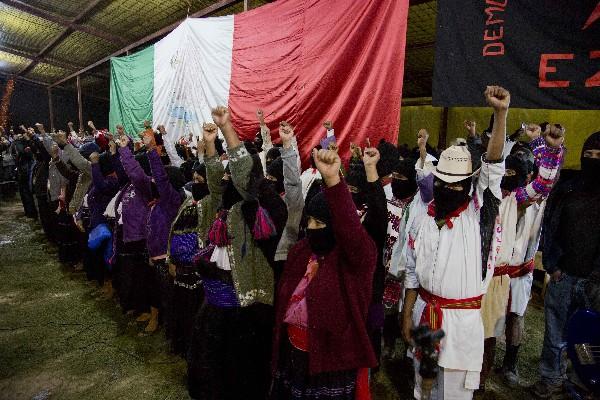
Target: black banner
<point>545,52</point>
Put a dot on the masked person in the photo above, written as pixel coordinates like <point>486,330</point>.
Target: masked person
<point>325,292</point>
<point>451,256</point>
<point>571,255</point>
<point>521,213</point>
<point>230,349</point>
<point>369,198</point>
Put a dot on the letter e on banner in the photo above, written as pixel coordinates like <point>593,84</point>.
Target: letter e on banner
<point>545,69</point>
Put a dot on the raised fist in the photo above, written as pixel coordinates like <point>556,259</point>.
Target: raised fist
<point>54,152</point>
<point>471,127</point>
<point>124,141</point>
<point>422,138</point>
<point>533,131</point>
<point>209,132</point>
<point>286,133</point>
<point>221,116</point>
<point>60,138</point>
<point>94,157</point>
<point>497,97</point>
<point>328,125</point>
<point>371,157</point>
<point>91,124</point>
<point>554,135</point>
<point>112,147</point>
<point>328,163</point>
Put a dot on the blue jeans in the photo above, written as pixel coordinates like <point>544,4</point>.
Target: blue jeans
<point>562,299</point>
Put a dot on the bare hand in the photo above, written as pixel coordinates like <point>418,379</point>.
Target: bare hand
<point>261,116</point>
<point>209,132</point>
<point>161,129</point>
<point>112,147</point>
<point>328,125</point>
<point>554,135</point>
<point>54,152</point>
<point>497,97</point>
<point>355,151</point>
<point>422,138</point>
<point>328,163</point>
<point>94,157</point>
<point>60,138</point>
<point>471,127</point>
<point>172,270</point>
<point>407,326</point>
<point>124,141</point>
<point>91,124</point>
<point>286,133</point>
<point>147,139</point>
<point>221,116</point>
<point>146,124</point>
<point>200,146</point>
<point>371,157</point>
<point>533,131</point>
<point>79,224</point>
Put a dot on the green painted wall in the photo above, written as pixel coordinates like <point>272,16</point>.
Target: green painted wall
<point>579,124</point>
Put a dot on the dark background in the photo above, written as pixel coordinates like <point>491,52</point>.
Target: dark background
<point>29,104</point>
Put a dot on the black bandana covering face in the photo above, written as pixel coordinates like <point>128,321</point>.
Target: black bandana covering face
<point>448,200</point>
<point>403,188</point>
<point>321,240</point>
<point>230,194</point>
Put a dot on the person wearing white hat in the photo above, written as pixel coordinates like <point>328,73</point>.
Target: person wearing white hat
<point>451,258</point>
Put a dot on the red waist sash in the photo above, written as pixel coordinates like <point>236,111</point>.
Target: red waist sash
<point>515,271</point>
<point>298,336</point>
<point>432,314</point>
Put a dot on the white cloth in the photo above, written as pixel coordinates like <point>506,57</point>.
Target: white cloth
<point>111,209</point>
<point>221,258</point>
<point>450,384</point>
<point>447,263</point>
<point>192,74</point>
<point>307,178</point>
<point>520,288</point>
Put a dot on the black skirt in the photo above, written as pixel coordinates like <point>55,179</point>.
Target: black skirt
<point>230,353</point>
<point>293,382</point>
<point>133,287</point>
<point>186,298</point>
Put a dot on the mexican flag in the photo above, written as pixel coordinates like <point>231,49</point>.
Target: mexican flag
<point>303,61</point>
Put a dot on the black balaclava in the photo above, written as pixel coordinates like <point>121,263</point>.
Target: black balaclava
<point>590,167</point>
<point>519,165</point>
<point>275,169</point>
<point>272,155</point>
<point>403,189</point>
<point>144,162</point>
<point>389,156</point>
<point>230,193</point>
<point>106,165</point>
<point>258,141</point>
<point>200,189</point>
<point>357,177</point>
<point>321,240</point>
<point>448,200</point>
<point>176,177</point>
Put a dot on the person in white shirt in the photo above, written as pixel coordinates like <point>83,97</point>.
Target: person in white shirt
<point>451,258</point>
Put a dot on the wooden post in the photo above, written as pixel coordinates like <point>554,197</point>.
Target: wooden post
<point>51,109</point>
<point>79,107</point>
<point>443,130</point>
<point>246,5</point>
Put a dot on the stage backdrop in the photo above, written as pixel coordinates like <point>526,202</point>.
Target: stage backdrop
<point>303,61</point>
<point>546,52</point>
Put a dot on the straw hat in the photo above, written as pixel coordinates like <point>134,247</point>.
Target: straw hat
<point>454,164</point>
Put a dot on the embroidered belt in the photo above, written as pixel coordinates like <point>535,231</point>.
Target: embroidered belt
<point>515,271</point>
<point>432,314</point>
<point>298,336</point>
<point>220,294</point>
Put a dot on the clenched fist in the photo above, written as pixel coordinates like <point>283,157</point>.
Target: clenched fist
<point>497,97</point>
<point>221,116</point>
<point>328,163</point>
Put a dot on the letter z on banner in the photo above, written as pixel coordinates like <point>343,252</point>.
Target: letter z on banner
<point>546,52</point>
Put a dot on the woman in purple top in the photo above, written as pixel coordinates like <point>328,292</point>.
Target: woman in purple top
<point>104,186</point>
<point>163,201</point>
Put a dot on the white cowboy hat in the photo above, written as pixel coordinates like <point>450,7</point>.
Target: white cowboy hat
<point>454,165</point>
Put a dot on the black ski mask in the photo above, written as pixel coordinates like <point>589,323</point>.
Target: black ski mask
<point>199,190</point>
<point>519,178</point>
<point>448,200</point>
<point>404,188</point>
<point>590,167</point>
<point>357,178</point>
<point>321,240</point>
<point>275,170</point>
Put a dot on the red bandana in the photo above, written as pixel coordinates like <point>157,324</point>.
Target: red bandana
<point>453,214</point>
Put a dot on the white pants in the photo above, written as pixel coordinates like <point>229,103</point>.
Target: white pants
<point>451,384</point>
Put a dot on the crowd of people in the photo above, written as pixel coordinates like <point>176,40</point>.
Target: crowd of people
<point>279,283</point>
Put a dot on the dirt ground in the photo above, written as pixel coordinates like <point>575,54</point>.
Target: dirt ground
<point>60,340</point>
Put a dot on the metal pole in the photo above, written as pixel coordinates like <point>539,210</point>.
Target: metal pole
<point>80,109</point>
<point>245,5</point>
<point>51,108</point>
